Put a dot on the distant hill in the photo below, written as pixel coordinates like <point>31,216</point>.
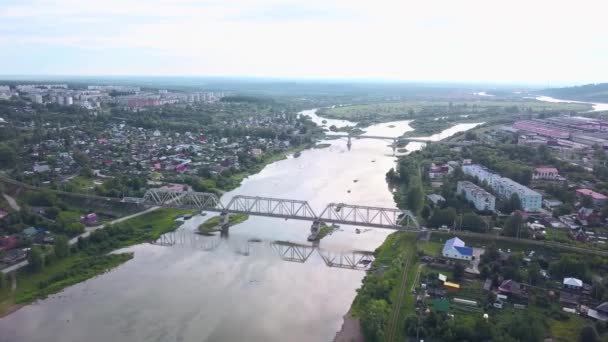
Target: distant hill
<point>589,92</point>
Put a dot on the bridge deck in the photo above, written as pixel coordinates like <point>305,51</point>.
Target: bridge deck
<point>339,213</point>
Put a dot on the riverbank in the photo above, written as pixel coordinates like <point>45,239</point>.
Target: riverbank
<point>212,224</point>
<point>233,181</point>
<point>382,301</point>
<point>88,258</point>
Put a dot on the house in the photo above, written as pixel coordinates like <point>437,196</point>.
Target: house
<point>13,256</point>
<point>546,173</point>
<point>89,219</point>
<point>597,198</point>
<point>256,152</point>
<point>511,287</point>
<point>573,284</point>
<point>436,199</point>
<point>551,203</point>
<point>29,232</point>
<point>455,248</point>
<point>8,242</point>
<point>39,168</point>
<point>587,216</point>
<point>436,172</point>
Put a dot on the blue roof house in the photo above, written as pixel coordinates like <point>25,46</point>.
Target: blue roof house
<point>455,248</point>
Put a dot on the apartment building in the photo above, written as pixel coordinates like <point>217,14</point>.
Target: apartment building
<point>481,199</point>
<point>505,187</point>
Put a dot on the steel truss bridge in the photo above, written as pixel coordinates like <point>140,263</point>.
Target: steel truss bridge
<point>287,251</point>
<point>397,140</point>
<point>339,213</point>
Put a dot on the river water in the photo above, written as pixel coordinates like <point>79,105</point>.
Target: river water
<point>597,106</point>
<point>237,288</point>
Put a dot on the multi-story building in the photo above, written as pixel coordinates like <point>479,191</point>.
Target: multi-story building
<point>549,173</point>
<point>481,199</point>
<point>597,198</point>
<point>505,187</point>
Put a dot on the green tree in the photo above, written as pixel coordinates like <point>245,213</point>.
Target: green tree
<point>588,334</point>
<point>415,196</point>
<point>514,226</point>
<point>525,327</point>
<point>472,222</point>
<point>442,217</point>
<point>8,155</point>
<point>458,271</point>
<point>587,202</point>
<point>373,319</point>
<point>36,259</point>
<point>61,247</point>
<point>512,204</point>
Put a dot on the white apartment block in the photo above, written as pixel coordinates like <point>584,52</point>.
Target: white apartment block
<point>481,199</point>
<point>505,187</point>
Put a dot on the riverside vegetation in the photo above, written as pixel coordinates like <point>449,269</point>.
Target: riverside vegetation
<point>54,268</point>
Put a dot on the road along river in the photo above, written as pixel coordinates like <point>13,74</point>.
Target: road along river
<point>189,293</point>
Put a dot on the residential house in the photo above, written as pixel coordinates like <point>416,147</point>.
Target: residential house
<point>512,287</point>
<point>455,248</point>
<point>546,173</point>
<point>13,256</point>
<point>89,219</point>
<point>29,232</point>
<point>597,198</point>
<point>439,171</point>
<point>8,242</point>
<point>436,199</point>
<point>573,284</point>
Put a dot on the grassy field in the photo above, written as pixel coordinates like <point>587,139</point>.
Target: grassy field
<point>431,248</point>
<point>392,110</point>
<point>210,224</point>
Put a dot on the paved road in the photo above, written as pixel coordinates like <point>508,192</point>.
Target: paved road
<point>11,201</point>
<point>89,230</point>
<point>74,240</point>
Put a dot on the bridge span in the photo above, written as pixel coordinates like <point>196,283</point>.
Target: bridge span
<point>339,213</point>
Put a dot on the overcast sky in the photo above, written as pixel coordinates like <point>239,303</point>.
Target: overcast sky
<point>531,41</point>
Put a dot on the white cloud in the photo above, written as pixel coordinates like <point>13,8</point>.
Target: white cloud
<point>474,40</point>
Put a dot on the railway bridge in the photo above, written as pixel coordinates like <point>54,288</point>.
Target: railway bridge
<point>338,213</point>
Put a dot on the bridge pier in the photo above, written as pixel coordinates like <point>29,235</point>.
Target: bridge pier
<point>224,224</point>
<point>314,230</point>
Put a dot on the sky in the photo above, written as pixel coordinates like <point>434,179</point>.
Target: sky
<point>547,42</point>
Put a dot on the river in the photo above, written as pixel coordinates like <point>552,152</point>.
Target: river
<point>216,289</point>
<point>597,106</point>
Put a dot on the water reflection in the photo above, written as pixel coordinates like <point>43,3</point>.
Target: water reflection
<point>285,250</point>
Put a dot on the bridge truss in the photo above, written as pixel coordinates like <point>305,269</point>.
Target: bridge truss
<point>339,213</point>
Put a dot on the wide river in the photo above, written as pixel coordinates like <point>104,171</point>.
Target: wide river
<point>245,287</point>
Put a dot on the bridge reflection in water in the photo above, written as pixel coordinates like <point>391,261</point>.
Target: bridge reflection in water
<point>287,251</point>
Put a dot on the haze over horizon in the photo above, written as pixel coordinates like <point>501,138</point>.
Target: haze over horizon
<point>542,42</point>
